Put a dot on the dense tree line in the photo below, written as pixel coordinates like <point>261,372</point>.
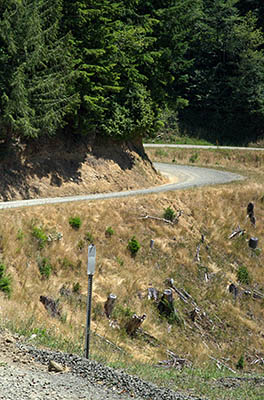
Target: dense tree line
<point>111,67</point>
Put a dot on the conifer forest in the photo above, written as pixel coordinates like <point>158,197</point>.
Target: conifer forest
<point>124,69</point>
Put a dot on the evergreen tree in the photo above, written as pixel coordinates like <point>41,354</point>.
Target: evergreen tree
<point>35,69</point>
<point>227,82</point>
<point>254,6</point>
<point>174,34</point>
<point>111,47</point>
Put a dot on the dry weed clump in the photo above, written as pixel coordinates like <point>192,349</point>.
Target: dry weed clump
<point>224,327</point>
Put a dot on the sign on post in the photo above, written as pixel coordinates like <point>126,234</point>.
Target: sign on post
<point>91,259</point>
<point>90,272</point>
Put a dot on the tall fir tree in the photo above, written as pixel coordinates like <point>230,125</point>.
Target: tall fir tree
<point>226,93</point>
<point>254,6</point>
<point>35,69</point>
<point>112,44</point>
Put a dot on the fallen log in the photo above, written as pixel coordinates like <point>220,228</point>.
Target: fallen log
<point>174,361</point>
<point>109,342</point>
<point>197,255</point>
<point>167,221</point>
<point>237,232</point>
<point>222,364</point>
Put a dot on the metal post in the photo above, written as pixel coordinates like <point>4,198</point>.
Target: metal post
<point>90,272</point>
<point>88,317</point>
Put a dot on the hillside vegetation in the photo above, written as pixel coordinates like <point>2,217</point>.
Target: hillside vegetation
<point>44,252</point>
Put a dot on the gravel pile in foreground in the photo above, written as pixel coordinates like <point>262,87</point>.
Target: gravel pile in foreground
<point>116,381</point>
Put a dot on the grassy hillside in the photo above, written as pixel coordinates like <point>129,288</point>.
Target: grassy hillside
<point>43,253</point>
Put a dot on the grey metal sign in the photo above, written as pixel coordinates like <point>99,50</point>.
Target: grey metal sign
<point>91,259</point>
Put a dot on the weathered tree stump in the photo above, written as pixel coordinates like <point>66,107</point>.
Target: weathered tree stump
<point>170,282</point>
<point>153,294</point>
<point>109,304</point>
<point>251,214</point>
<point>194,314</point>
<point>165,305</point>
<point>253,243</point>
<point>250,208</point>
<point>234,290</point>
<point>65,291</point>
<point>51,306</point>
<point>134,323</point>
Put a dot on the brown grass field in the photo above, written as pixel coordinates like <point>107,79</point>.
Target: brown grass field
<point>226,328</point>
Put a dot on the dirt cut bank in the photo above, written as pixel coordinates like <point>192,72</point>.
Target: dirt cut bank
<point>64,166</point>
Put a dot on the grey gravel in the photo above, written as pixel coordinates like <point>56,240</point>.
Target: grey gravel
<point>84,379</point>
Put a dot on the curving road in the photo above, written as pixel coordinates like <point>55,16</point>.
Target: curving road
<point>185,177</point>
<point>197,146</point>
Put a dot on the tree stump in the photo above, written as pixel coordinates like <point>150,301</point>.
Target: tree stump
<point>253,243</point>
<point>51,306</point>
<point>234,290</point>
<point>153,294</point>
<point>134,323</point>
<point>250,209</point>
<point>251,214</point>
<point>165,305</point>
<point>109,304</point>
<point>194,314</point>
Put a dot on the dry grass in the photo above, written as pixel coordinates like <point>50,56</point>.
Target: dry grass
<point>243,161</point>
<point>230,328</point>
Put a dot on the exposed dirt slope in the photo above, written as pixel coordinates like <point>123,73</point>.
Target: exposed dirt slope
<point>67,166</point>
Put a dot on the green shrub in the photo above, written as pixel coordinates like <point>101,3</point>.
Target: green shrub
<point>5,281</point>
<point>40,235</point>
<point>120,261</point>
<point>89,237</point>
<point>171,314</point>
<point>75,222</point>
<point>20,234</point>
<point>80,244</point>
<point>97,311</point>
<point>169,214</point>
<point>243,275</point>
<point>2,270</point>
<point>133,246</point>
<point>194,158</point>
<point>67,264</point>
<point>76,287</point>
<point>240,363</point>
<point>109,231</point>
<point>122,313</point>
<point>45,268</point>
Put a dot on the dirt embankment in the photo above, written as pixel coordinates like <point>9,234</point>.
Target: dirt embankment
<point>65,166</point>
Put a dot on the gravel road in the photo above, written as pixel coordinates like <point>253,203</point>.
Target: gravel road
<point>185,177</point>
<point>24,375</point>
<point>196,146</point>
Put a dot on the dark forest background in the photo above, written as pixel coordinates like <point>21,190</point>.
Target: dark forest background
<point>125,69</point>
